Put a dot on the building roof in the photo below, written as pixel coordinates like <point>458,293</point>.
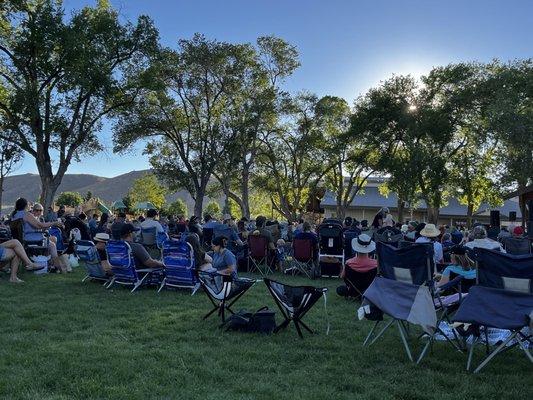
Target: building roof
<point>370,197</point>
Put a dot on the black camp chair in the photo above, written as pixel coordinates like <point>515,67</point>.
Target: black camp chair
<point>502,298</point>
<point>223,291</point>
<point>517,246</point>
<point>294,302</point>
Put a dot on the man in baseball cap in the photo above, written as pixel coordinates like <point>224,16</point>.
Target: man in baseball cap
<point>141,256</point>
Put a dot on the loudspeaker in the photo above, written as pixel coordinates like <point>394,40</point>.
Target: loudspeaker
<point>512,216</point>
<point>495,218</point>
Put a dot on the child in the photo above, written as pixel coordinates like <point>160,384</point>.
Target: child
<point>460,266</point>
<point>280,254</point>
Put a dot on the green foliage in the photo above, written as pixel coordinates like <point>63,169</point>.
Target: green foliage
<point>213,209</point>
<point>178,208</point>
<point>147,188</point>
<point>70,199</point>
<point>88,196</point>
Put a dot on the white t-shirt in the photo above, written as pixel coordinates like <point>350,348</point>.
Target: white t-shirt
<point>438,254</point>
<point>485,243</point>
<point>150,223</point>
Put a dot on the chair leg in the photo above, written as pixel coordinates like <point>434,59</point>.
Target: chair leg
<point>210,312</point>
<point>84,279</point>
<point>281,326</point>
<point>370,333</point>
<point>426,347</point>
<point>494,353</point>
<point>404,340</point>
<point>471,352</point>
<point>111,283</point>
<point>305,326</point>
<point>298,328</point>
<point>381,332</point>
<point>524,348</point>
<point>162,285</point>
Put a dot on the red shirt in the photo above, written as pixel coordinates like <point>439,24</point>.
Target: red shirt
<point>362,264</point>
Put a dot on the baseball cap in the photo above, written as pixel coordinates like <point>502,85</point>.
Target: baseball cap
<point>127,229</point>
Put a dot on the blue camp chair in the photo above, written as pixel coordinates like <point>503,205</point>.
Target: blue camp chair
<point>502,299</point>
<point>178,257</point>
<point>86,251</point>
<point>60,244</point>
<point>406,291</point>
<point>123,267</point>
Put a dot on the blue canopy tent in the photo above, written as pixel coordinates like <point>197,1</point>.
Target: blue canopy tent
<point>144,205</point>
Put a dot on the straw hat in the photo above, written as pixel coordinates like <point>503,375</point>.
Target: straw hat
<point>430,230</point>
<point>363,244</point>
<point>101,237</point>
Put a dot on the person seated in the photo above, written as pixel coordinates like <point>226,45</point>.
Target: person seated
<point>116,226</point>
<point>480,240</point>
<point>11,253</point>
<point>100,241</point>
<point>102,226</point>
<point>33,230</point>
<point>280,254</point>
<point>260,223</point>
<point>195,227</point>
<point>446,241</point>
<point>224,262</point>
<point>359,271</point>
<point>150,222</point>
<point>202,260</point>
<point>210,222</point>
<point>307,234</point>
<point>459,266</point>
<point>429,234</point>
<point>141,256</point>
<point>504,234</point>
<point>226,229</point>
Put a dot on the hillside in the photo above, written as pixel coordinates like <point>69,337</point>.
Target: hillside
<point>108,189</point>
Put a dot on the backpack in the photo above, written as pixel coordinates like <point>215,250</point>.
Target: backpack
<point>262,321</point>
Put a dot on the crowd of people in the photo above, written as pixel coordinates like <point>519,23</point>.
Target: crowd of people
<point>228,240</point>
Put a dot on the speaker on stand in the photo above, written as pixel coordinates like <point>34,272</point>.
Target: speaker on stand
<point>494,228</point>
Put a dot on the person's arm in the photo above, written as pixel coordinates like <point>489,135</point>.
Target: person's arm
<point>30,219</point>
<point>230,262</point>
<point>445,277</point>
<point>151,263</point>
<point>208,258</point>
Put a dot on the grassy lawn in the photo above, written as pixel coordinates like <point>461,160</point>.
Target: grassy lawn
<point>61,339</point>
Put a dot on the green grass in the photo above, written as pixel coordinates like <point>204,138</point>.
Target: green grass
<point>61,339</point>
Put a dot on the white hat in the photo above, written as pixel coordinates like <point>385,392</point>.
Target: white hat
<point>101,237</point>
<point>430,230</point>
<point>363,244</point>
<point>404,228</point>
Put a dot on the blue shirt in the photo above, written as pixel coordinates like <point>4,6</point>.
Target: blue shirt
<point>211,224</point>
<point>456,269</point>
<point>223,260</point>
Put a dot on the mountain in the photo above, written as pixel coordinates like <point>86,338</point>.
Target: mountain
<point>108,189</point>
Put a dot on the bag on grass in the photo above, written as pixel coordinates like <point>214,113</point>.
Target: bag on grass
<point>262,321</point>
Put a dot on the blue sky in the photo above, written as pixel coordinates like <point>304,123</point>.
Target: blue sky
<point>345,46</point>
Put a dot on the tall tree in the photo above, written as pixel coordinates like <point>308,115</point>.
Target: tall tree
<point>61,77</point>
<point>186,110</point>
<point>10,158</point>
<point>147,188</point>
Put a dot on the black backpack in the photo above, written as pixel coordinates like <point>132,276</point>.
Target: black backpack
<point>262,321</point>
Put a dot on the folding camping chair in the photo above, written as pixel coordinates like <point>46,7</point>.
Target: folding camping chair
<point>123,266</point>
<point>303,257</point>
<point>86,251</point>
<point>517,246</point>
<point>294,302</point>
<point>331,245</point>
<point>149,240</point>
<point>178,257</point>
<point>413,267</point>
<point>207,237</point>
<point>60,244</point>
<point>503,299</point>
<point>223,291</point>
<point>258,255</point>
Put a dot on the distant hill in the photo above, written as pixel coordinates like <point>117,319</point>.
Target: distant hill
<point>108,189</point>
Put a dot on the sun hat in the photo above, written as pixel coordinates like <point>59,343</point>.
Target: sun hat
<point>363,244</point>
<point>101,237</point>
<point>430,230</point>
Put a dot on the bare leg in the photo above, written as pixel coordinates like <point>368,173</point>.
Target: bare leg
<point>15,261</point>
<point>15,246</point>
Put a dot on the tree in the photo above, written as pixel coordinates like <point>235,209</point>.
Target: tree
<point>212,208</point>
<point>186,110</point>
<point>88,196</point>
<point>147,188</point>
<point>61,77</point>
<point>70,199</point>
<point>178,208</point>
<point>10,158</point>
<point>289,164</point>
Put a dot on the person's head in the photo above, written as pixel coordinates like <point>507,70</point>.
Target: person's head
<point>430,231</point>
<point>518,232</point>
<point>260,221</point>
<point>388,221</point>
<point>100,239</point>
<point>104,218</point>
<point>218,244</point>
<point>446,237</point>
<point>194,240</point>
<point>363,245</point>
<point>280,243</point>
<point>458,257</point>
<point>207,217</point>
<point>404,228</point>
<point>37,210</point>
<point>21,204</point>
<point>364,223</point>
<point>306,227</point>
<point>348,222</point>
<point>126,232</point>
<point>95,216</point>
<point>411,226</point>
<point>82,216</point>
<point>151,213</point>
<point>241,226</point>
<point>121,216</point>
<point>62,207</point>
<point>479,232</point>
<point>193,220</point>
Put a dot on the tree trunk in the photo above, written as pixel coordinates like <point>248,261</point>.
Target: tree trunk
<point>198,204</point>
<point>433,214</point>
<point>245,193</point>
<point>48,191</point>
<point>469,213</point>
<point>401,210</point>
<point>1,193</point>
